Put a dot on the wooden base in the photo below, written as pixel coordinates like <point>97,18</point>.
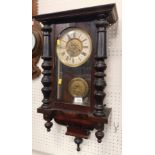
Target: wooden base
<point>78,132</point>
<point>78,125</point>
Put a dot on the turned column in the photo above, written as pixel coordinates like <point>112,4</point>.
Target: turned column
<point>46,80</point>
<point>46,65</point>
<point>100,67</point>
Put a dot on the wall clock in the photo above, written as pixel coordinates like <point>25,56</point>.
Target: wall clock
<point>74,67</point>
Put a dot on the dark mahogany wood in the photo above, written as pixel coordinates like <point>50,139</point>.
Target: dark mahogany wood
<point>100,68</point>
<point>46,80</point>
<point>46,65</point>
<point>100,65</point>
<point>80,15</point>
<point>79,120</point>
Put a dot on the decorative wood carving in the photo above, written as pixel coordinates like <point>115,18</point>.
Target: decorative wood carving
<point>78,141</point>
<point>46,65</point>
<point>80,120</point>
<point>46,80</point>
<point>100,68</point>
<point>48,124</point>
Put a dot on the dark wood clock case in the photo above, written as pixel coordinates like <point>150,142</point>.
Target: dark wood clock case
<point>79,120</point>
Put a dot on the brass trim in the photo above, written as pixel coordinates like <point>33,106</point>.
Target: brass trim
<point>81,81</point>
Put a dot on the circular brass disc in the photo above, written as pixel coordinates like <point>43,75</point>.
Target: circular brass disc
<point>74,47</point>
<point>78,87</point>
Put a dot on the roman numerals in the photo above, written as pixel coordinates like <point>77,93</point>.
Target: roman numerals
<point>79,58</point>
<point>84,54</point>
<point>74,35</point>
<point>67,58</point>
<point>63,53</point>
<point>73,60</point>
<point>85,46</point>
<point>75,47</point>
<point>84,40</point>
<point>69,37</point>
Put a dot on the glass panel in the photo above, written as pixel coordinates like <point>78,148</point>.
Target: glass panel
<point>73,68</point>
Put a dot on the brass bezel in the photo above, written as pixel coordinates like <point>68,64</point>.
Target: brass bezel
<point>85,86</point>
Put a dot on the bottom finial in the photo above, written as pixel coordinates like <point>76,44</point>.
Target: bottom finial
<point>99,135</point>
<point>78,141</point>
<point>48,125</point>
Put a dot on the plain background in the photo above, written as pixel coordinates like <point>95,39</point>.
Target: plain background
<point>138,77</point>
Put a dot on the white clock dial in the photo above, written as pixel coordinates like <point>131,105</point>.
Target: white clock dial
<point>74,47</point>
<point>33,41</point>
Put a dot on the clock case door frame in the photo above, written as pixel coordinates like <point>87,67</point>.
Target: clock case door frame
<point>89,27</point>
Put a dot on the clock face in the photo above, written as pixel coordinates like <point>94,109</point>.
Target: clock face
<point>33,41</point>
<point>74,47</point>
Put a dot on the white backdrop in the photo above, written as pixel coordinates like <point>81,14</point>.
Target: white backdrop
<point>56,142</point>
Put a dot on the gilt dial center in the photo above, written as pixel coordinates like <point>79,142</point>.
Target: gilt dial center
<point>74,47</point>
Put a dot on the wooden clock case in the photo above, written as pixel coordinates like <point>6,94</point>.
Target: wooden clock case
<point>79,120</point>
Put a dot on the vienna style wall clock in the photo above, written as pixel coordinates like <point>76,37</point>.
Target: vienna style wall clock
<point>74,67</point>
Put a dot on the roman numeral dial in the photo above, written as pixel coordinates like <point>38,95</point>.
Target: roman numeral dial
<point>74,47</point>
